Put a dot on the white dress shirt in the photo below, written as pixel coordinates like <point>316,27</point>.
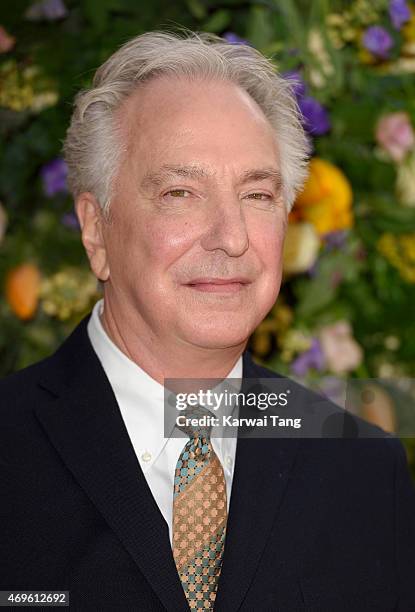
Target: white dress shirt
<point>141,402</point>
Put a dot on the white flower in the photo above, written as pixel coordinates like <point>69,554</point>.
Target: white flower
<point>405,180</point>
<point>301,247</point>
<point>342,352</point>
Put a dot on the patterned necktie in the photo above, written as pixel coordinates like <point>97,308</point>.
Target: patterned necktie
<point>199,516</point>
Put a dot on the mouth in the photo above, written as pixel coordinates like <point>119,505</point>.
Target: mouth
<point>219,285</point>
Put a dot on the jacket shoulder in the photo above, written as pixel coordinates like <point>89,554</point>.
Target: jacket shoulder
<point>19,388</point>
<point>371,439</point>
<point>24,375</point>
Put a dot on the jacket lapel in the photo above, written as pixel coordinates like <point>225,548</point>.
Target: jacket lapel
<point>84,423</point>
<point>261,474</point>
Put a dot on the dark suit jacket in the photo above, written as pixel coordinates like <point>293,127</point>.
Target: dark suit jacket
<point>316,525</point>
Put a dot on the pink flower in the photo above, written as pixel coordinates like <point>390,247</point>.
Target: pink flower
<point>6,41</point>
<point>3,222</point>
<point>340,349</point>
<point>394,133</point>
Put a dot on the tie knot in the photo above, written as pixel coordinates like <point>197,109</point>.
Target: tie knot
<point>194,422</point>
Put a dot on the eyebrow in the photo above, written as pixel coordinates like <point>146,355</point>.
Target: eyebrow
<point>156,179</point>
<point>262,174</point>
<point>168,171</point>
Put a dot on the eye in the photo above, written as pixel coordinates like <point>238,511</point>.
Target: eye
<point>258,196</point>
<point>177,193</point>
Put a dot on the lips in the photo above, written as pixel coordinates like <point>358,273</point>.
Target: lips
<point>219,285</point>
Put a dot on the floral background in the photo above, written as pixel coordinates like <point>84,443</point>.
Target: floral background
<point>346,306</point>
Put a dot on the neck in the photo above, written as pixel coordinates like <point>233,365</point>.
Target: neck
<point>162,361</point>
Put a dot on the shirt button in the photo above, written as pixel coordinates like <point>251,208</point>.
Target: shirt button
<point>146,456</point>
<point>229,461</point>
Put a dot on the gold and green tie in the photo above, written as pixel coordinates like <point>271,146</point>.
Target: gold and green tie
<point>199,517</point>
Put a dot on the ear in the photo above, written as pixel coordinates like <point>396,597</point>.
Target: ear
<point>91,220</point>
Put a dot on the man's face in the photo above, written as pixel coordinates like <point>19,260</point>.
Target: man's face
<point>196,201</point>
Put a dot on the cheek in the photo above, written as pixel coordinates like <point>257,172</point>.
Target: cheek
<point>166,241</point>
<point>268,242</point>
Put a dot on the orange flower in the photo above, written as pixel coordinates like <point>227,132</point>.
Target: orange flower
<point>22,290</point>
<point>326,200</point>
<point>378,407</point>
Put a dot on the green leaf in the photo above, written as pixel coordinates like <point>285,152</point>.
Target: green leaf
<point>197,9</point>
<point>96,11</point>
<point>392,217</point>
<point>260,32</point>
<point>313,295</point>
<point>218,21</point>
<point>294,23</point>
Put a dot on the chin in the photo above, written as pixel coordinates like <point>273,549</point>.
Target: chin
<point>219,336</point>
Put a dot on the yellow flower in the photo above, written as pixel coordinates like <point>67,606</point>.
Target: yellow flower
<point>274,326</point>
<point>408,30</point>
<point>366,12</point>
<point>365,56</point>
<point>399,251</point>
<point>325,70</point>
<point>68,292</point>
<point>14,92</point>
<point>292,342</point>
<point>261,343</point>
<point>43,100</point>
<point>23,89</point>
<point>326,200</point>
<point>405,181</point>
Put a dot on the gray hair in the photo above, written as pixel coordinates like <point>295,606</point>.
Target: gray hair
<point>93,148</point>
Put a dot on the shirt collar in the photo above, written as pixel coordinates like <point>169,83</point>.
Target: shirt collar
<point>139,396</point>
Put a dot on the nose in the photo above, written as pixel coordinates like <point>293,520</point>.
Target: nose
<point>226,228</point>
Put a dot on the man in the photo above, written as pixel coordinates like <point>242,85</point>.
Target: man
<point>184,159</point>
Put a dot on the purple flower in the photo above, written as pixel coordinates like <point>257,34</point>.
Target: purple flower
<point>46,9</point>
<point>70,220</point>
<point>378,41</point>
<point>399,13</point>
<point>297,82</point>
<point>54,175</point>
<point>313,270</point>
<point>233,38</point>
<point>335,240</point>
<point>315,116</point>
<point>312,358</point>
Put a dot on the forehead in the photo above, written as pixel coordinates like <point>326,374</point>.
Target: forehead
<point>173,111</point>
